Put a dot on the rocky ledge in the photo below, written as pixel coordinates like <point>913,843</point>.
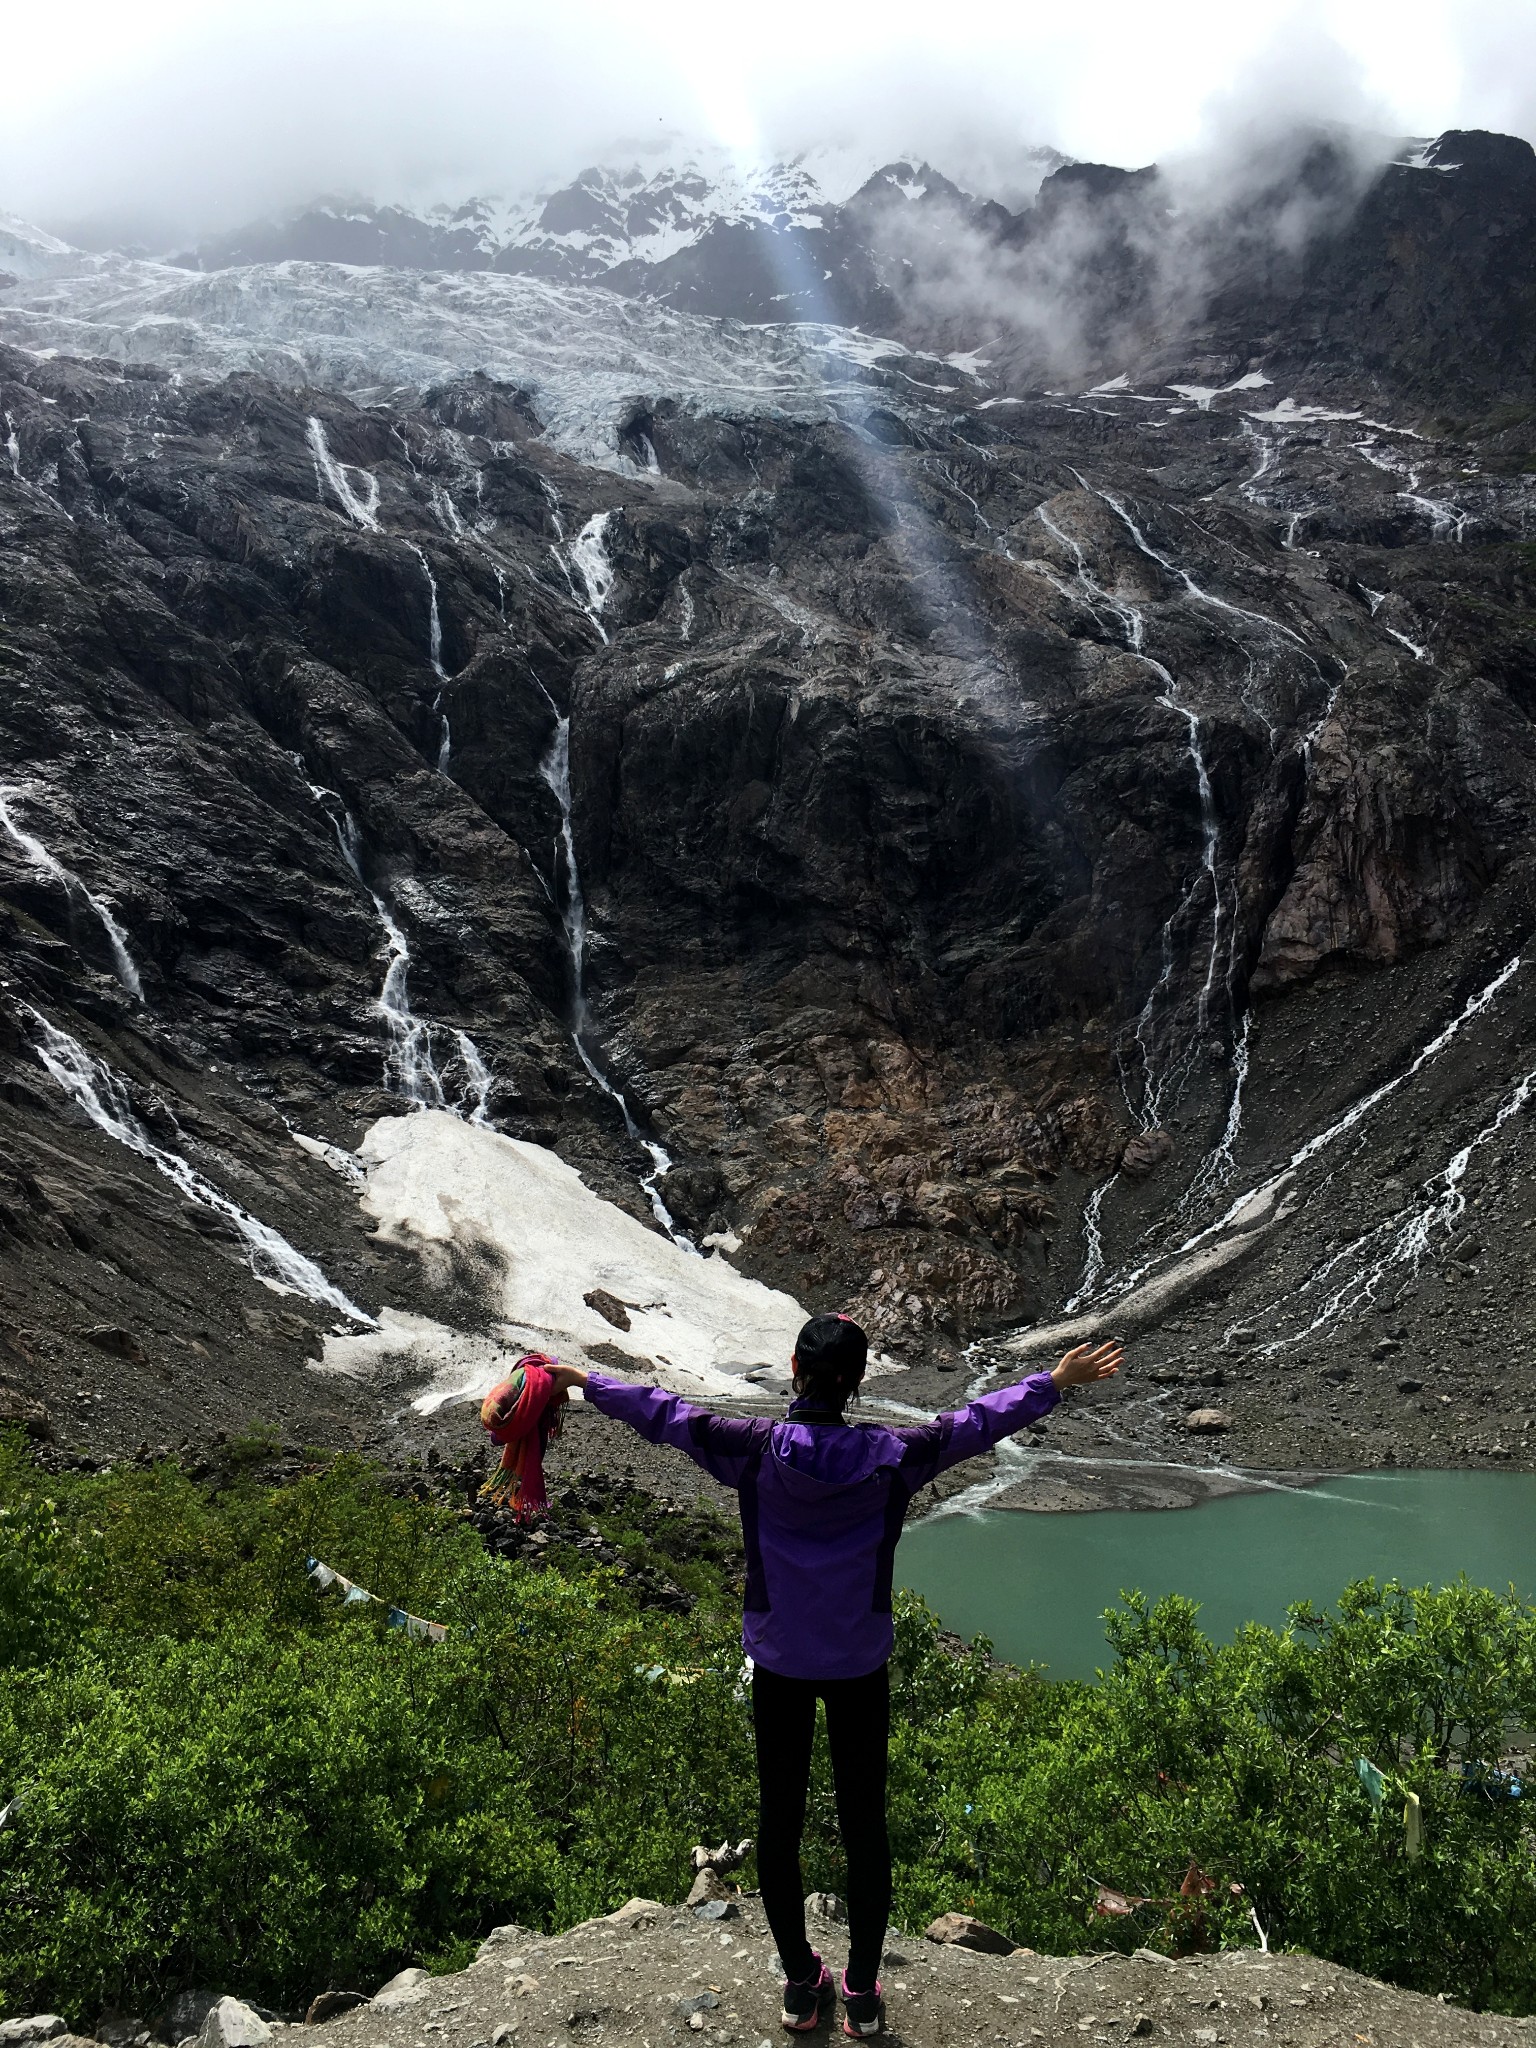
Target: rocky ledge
<point>655,1976</point>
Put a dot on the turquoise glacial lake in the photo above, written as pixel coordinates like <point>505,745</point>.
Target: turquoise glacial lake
<point>1038,1584</point>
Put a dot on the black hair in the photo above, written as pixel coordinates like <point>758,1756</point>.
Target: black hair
<point>831,1353</point>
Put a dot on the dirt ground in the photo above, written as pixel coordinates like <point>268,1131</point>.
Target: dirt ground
<point>658,1977</point>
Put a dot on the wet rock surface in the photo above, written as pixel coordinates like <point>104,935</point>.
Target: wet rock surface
<point>986,836</point>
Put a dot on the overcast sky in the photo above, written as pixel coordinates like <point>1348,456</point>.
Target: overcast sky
<point>192,114</point>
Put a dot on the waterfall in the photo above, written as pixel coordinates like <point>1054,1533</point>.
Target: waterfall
<point>38,854</point>
<point>1162,1077</point>
<point>1211,838</point>
<point>1191,587</point>
<point>586,557</point>
<point>1403,1241</point>
<point>1157,1088</point>
<point>410,1067</point>
<point>1446,521</point>
<point>589,555</point>
<point>1093,1245</point>
<point>359,506</point>
<point>481,1080</point>
<point>362,506</point>
<point>1419,653</point>
<point>104,1097</point>
<point>13,447</point>
<point>1362,1107</point>
<point>435,657</point>
<point>555,768</point>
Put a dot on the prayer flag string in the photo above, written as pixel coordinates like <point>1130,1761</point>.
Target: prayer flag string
<point>395,1617</point>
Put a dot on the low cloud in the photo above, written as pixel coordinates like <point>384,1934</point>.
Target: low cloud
<point>182,119</point>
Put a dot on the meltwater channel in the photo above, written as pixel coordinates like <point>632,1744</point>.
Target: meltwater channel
<point>1038,1584</point>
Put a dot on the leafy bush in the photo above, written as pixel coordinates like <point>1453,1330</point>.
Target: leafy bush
<point>227,1779</point>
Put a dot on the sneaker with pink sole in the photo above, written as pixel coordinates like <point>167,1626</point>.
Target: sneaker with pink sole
<point>804,2003</point>
<point>863,2011</point>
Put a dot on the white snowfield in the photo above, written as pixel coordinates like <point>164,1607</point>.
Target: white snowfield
<point>585,353</point>
<point>436,1184</point>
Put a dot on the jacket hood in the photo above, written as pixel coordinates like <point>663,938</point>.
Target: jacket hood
<point>813,1458</point>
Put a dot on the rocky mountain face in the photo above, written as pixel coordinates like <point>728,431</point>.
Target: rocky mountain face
<point>984,854</point>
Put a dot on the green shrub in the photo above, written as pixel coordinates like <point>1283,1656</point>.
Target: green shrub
<point>228,1779</point>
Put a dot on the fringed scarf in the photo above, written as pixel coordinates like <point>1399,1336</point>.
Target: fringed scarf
<point>522,1414</point>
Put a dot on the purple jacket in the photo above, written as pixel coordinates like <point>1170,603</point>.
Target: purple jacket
<point>822,1506</point>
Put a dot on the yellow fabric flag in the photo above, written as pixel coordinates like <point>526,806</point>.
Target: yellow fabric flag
<point>1413,1824</point>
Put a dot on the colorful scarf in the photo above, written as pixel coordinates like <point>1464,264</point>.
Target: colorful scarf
<point>522,1414</point>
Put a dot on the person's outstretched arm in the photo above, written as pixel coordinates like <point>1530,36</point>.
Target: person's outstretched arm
<point>725,1445</point>
<point>965,1433</point>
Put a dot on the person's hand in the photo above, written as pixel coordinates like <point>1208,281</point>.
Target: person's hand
<point>1087,1364</point>
<point>567,1376</point>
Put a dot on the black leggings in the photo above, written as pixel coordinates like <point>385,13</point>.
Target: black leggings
<point>858,1736</point>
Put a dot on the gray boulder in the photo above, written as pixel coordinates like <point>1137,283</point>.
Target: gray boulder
<point>959,1930</point>
<point>183,2015</point>
<point>408,1988</point>
<point>326,2005</point>
<point>825,1906</point>
<point>1207,1421</point>
<point>232,2024</point>
<point>37,2026</point>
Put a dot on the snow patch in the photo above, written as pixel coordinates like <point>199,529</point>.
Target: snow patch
<point>440,1185</point>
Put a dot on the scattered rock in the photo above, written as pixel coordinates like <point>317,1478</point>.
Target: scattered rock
<point>706,2001</point>
<point>1145,1153</point>
<point>37,2026</point>
<point>717,1909</point>
<point>120,1342</point>
<point>233,2024</point>
<point>608,1306</point>
<point>329,2003</point>
<point>184,2014</point>
<point>19,1411</point>
<point>959,1930</point>
<point>1410,1386</point>
<point>1207,1421</point>
<point>826,1906</point>
<point>120,2031</point>
<point>636,1915</point>
<point>726,1857</point>
<point>409,1987</point>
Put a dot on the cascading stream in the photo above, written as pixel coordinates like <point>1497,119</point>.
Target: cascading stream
<point>1161,1079</point>
<point>410,1066</point>
<point>1446,521</point>
<point>435,657</point>
<point>1402,1242</point>
<point>39,857</point>
<point>360,502</point>
<point>555,768</point>
<point>1321,1141</point>
<point>1160,1088</point>
<point>360,505</point>
<point>104,1097</point>
<point>586,556</point>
